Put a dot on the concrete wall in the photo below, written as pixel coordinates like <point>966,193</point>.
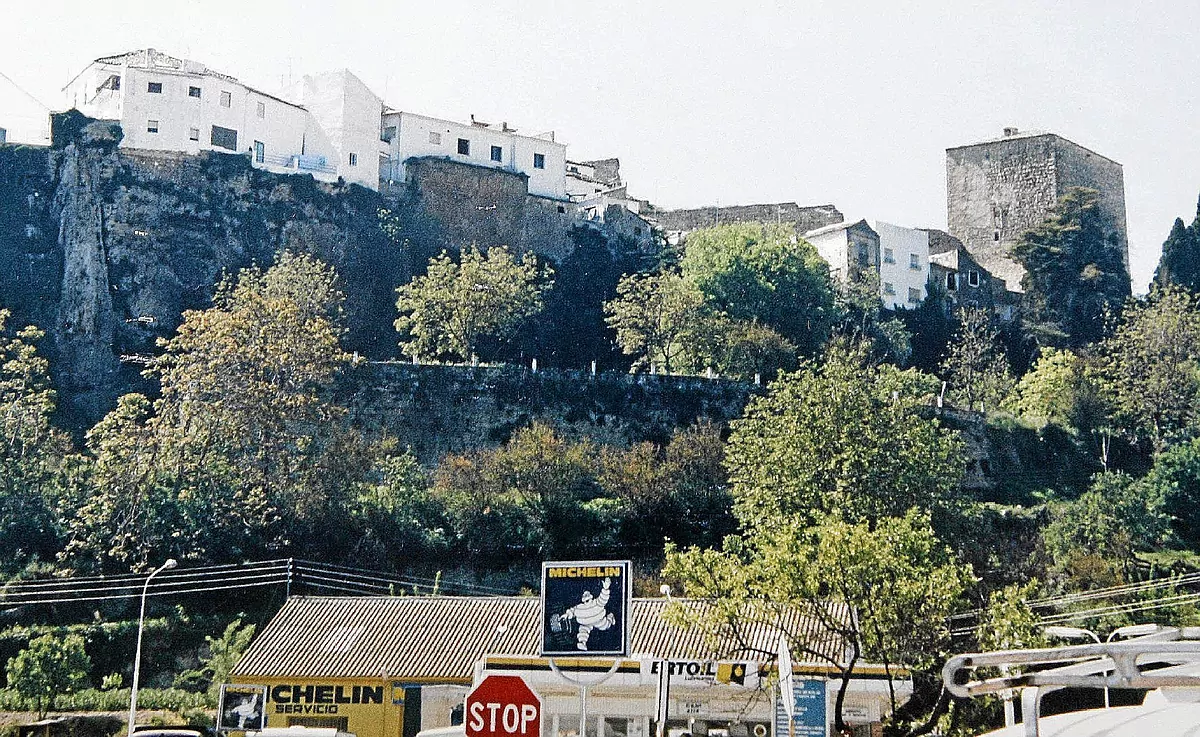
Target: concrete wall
<point>415,136</point>
<point>996,190</point>
<point>454,205</point>
<point>908,266</point>
<point>833,245</point>
<point>803,219</point>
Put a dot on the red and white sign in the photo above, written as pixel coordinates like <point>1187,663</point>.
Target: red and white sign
<point>503,706</point>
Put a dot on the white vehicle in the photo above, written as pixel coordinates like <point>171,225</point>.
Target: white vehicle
<point>1167,664</point>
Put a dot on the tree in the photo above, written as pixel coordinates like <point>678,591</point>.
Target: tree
<point>763,273</point>
<point>975,362</point>
<point>843,435</point>
<point>35,458</point>
<point>739,349</point>
<point>885,590</point>
<point>1093,538</point>
<point>244,452</point>
<point>448,310</point>
<point>529,497</point>
<point>223,653</point>
<point>1152,365</point>
<point>1075,271</point>
<point>47,668</point>
<point>1180,261</point>
<point>653,315</point>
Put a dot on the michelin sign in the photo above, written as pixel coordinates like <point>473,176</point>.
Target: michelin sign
<point>585,608</point>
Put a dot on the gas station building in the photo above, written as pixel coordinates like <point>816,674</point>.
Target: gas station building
<point>393,666</point>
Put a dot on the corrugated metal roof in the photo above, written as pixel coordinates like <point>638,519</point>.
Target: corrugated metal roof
<point>440,638</point>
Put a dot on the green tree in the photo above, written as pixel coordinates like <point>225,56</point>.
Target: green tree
<point>737,349</point>
<point>843,435</point>
<point>1152,365</point>
<point>975,363</point>
<point>1180,261</point>
<point>1075,271</point>
<point>223,653</point>
<point>396,518</point>
<point>1007,622</point>
<point>35,462</point>
<point>885,590</point>
<point>1092,540</point>
<point>452,306</point>
<point>654,315</point>
<point>762,273</point>
<point>530,497</point>
<point>48,668</point>
<point>244,452</point>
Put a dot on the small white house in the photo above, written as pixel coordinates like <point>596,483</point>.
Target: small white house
<point>23,119</point>
<point>903,265</point>
<point>539,157</point>
<point>169,104</point>
<point>849,248</point>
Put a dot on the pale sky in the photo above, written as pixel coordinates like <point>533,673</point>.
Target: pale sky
<point>711,103</point>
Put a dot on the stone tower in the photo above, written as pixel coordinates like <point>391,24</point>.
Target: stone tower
<point>996,190</point>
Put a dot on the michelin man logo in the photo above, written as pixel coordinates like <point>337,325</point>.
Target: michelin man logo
<point>591,613</point>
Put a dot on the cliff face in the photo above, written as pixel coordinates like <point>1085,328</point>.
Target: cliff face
<point>105,248</point>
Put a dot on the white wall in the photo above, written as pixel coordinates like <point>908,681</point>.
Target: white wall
<point>904,244</point>
<point>24,119</point>
<point>412,137</point>
<point>348,113</point>
<point>833,247</point>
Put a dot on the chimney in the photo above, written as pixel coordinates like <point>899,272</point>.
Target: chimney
<point>1010,132</point>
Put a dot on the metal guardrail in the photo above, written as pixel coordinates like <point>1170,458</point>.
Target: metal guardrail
<point>1166,659</point>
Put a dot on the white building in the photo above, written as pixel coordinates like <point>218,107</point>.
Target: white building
<point>903,265</point>
<point>349,113</point>
<point>539,157</point>
<point>849,248</point>
<point>169,104</point>
<point>23,119</point>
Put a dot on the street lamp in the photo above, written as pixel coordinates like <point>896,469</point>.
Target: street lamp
<point>1078,633</point>
<point>137,658</point>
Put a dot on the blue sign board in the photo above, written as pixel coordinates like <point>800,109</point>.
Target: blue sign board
<point>808,718</point>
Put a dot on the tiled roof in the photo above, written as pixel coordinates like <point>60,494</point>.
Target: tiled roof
<point>440,638</point>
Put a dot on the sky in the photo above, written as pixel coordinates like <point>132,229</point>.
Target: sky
<point>705,103</point>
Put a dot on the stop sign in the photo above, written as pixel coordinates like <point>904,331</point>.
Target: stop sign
<point>503,706</point>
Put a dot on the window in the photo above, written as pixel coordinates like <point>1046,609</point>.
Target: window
<point>4,137</point>
<point>388,134</point>
<point>435,138</point>
<point>951,281</point>
<point>914,295</point>
<point>888,256</point>
<point>193,134</point>
<point>224,138</point>
<point>353,159</point>
<point>864,255</point>
<point>889,288</point>
<point>637,230</point>
<point>464,147</point>
<point>561,209</point>
<point>973,277</point>
<point>262,110</point>
<point>260,152</point>
<point>152,126</point>
<point>154,87</point>
<point>996,236</point>
<point>914,261</point>
<point>226,99</point>
<point>539,161</point>
<point>497,153</point>
<point>194,92</point>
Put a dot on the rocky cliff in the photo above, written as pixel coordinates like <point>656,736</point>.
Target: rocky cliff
<point>104,248</point>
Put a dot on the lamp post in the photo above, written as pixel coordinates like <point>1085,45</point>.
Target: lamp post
<point>137,657</point>
<point>1078,633</point>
